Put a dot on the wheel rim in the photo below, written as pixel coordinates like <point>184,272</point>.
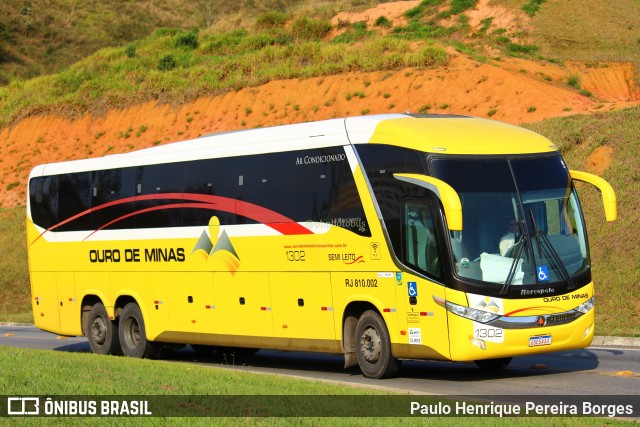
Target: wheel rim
<point>99,330</point>
<point>132,332</point>
<point>370,344</point>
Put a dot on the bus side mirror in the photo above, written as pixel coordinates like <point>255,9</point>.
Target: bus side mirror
<point>447,195</point>
<point>606,190</point>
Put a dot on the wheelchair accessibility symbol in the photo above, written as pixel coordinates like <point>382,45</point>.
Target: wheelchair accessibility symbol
<point>413,289</point>
<point>543,273</point>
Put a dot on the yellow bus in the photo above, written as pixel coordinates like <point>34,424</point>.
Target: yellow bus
<point>382,238</point>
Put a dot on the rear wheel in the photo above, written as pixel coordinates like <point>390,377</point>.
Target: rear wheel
<point>133,337</point>
<point>102,332</point>
<point>373,347</point>
<point>493,364</point>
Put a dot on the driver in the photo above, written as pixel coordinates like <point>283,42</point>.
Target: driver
<point>509,239</point>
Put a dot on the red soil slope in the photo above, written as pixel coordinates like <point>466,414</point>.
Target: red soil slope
<point>512,90</point>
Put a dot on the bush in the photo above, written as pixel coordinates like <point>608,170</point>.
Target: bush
<point>428,57</point>
<point>382,21</point>
<point>459,6</point>
<point>12,185</point>
<point>270,20</point>
<point>414,12</point>
<point>310,29</point>
<point>130,51</point>
<point>188,40</point>
<point>528,49</point>
<point>167,63</point>
<point>225,43</point>
<point>574,81</point>
<point>532,7</point>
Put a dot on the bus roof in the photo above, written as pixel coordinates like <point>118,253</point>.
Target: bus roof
<point>444,134</point>
<point>448,134</point>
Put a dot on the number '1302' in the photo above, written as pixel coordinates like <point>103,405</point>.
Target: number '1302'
<point>295,256</point>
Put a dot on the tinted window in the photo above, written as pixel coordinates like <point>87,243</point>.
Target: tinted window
<point>74,198</point>
<point>159,195</point>
<point>380,163</point>
<point>311,185</point>
<point>211,177</point>
<point>420,248</point>
<point>112,201</point>
<point>43,194</point>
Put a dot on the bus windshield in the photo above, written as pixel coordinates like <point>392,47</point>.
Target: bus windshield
<point>522,222</point>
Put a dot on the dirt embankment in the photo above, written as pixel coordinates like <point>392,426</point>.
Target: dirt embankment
<point>512,90</point>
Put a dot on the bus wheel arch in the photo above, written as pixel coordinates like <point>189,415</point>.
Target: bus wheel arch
<point>101,331</point>
<point>132,333</point>
<point>366,341</point>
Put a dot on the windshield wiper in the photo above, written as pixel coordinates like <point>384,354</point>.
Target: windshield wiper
<point>542,238</point>
<point>512,270</point>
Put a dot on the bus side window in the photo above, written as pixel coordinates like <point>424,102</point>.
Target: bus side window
<point>44,200</point>
<point>420,243</point>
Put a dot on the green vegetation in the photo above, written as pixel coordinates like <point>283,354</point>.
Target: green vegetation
<point>172,63</point>
<point>270,20</point>
<point>220,49</point>
<point>357,31</point>
<point>29,372</point>
<point>306,28</point>
<point>459,6</point>
<point>15,298</point>
<point>383,21</point>
<point>533,6</point>
<point>574,81</point>
<point>570,30</point>
<point>43,37</point>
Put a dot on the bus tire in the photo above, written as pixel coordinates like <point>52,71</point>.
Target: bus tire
<point>493,364</point>
<point>373,347</point>
<point>133,337</point>
<point>102,332</point>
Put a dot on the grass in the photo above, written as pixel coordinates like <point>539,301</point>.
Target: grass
<point>14,272</point>
<point>39,38</point>
<point>533,6</point>
<point>194,387</point>
<point>267,42</point>
<point>588,30</point>
<point>174,64</point>
<point>262,43</point>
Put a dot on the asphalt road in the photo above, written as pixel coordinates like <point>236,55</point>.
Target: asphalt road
<point>592,371</point>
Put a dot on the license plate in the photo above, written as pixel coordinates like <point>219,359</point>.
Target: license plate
<point>539,340</point>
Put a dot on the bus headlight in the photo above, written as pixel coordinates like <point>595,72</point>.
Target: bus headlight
<point>471,313</point>
<point>586,306</point>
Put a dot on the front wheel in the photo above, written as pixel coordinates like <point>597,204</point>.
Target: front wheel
<point>373,347</point>
<point>102,332</point>
<point>133,337</point>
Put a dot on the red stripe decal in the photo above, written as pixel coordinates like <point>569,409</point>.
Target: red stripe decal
<point>254,212</point>
<point>533,308</point>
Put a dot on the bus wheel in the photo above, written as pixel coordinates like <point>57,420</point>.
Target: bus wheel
<point>102,332</point>
<point>373,347</point>
<point>133,338</point>
<point>493,364</point>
